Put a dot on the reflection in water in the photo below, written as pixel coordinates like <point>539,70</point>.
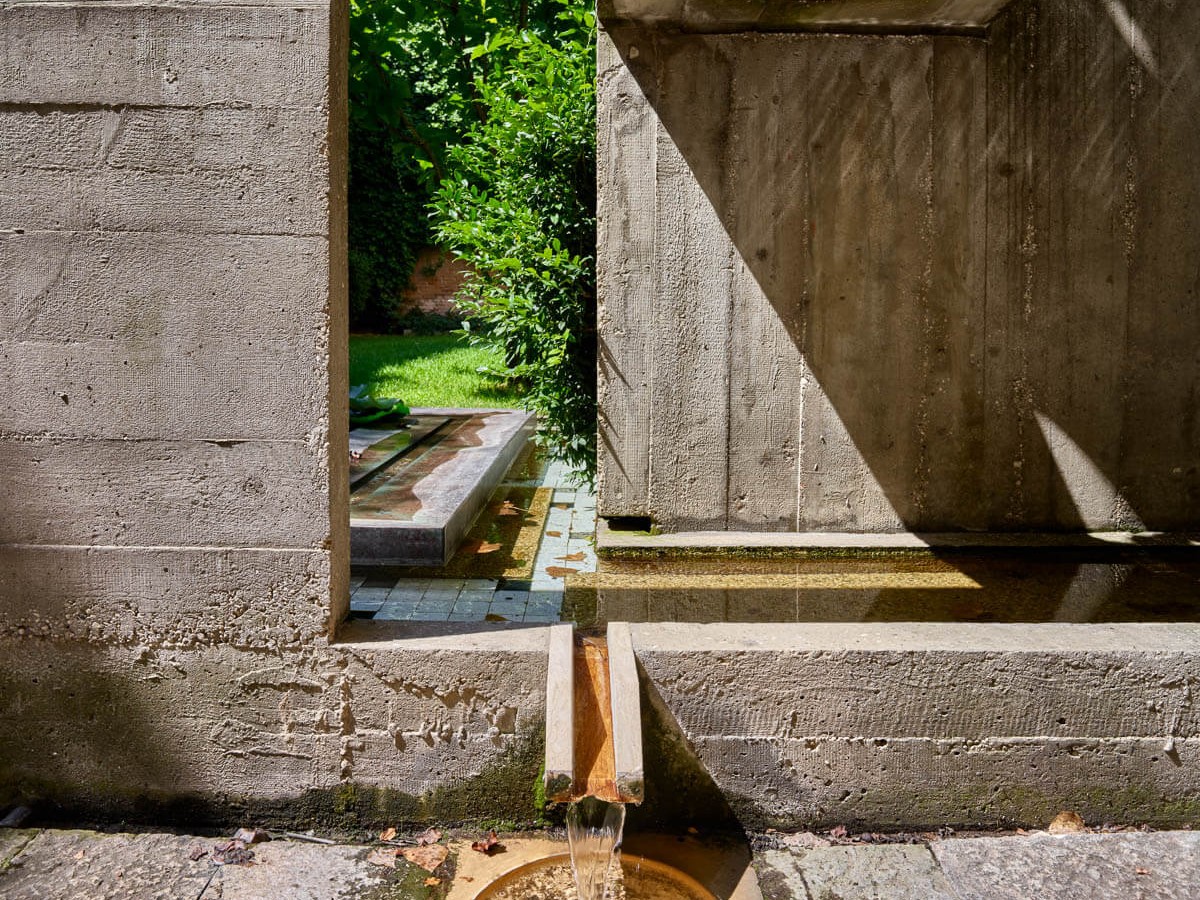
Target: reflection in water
<point>594,833</point>
<point>1000,586</point>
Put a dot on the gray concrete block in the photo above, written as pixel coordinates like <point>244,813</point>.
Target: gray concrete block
<point>168,55</point>
<point>853,873</point>
<point>169,391</point>
<point>268,599</point>
<point>164,139</point>
<point>1006,735</point>
<point>203,202</point>
<point>1162,866</point>
<point>118,493</point>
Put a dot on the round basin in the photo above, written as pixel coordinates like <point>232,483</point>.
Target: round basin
<point>550,879</point>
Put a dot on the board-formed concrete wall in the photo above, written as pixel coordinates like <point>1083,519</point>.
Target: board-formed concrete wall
<point>173,523</point>
<point>916,281</point>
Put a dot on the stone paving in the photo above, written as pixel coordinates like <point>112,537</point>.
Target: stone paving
<point>38,864</point>
<point>564,535</point>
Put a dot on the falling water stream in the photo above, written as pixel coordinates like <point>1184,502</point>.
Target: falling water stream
<point>594,830</point>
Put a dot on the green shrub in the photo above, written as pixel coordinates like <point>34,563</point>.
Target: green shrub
<point>519,204</point>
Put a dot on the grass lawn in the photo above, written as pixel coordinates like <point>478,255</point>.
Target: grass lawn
<point>428,370</point>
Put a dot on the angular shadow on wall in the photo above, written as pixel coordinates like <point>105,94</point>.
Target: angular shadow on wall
<point>970,268</point>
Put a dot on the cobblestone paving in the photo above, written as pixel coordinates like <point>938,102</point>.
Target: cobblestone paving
<point>566,541</point>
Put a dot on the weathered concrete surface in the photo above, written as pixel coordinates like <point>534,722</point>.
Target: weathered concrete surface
<point>851,16</point>
<point>1148,866</point>
<point>922,282</point>
<point>443,726</point>
<point>1162,866</point>
<point>173,534</point>
<point>904,872</point>
<point>85,865</point>
<point>928,724</point>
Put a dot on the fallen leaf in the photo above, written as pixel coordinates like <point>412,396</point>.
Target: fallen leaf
<point>493,617</point>
<point>428,857</point>
<point>572,557</point>
<point>251,835</point>
<point>466,878</point>
<point>1140,871</point>
<point>198,851</point>
<point>1066,822</point>
<point>561,505</point>
<point>381,857</point>
<point>508,509</point>
<point>553,534</point>
<point>231,853</point>
<point>431,881</point>
<point>428,836</point>
<point>693,830</point>
<point>487,843</point>
<point>838,832</point>
<point>559,571</point>
<point>477,546</point>
<point>387,834</point>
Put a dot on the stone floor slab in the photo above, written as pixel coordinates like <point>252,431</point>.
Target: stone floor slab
<point>86,865</point>
<point>1137,866</point>
<point>893,872</point>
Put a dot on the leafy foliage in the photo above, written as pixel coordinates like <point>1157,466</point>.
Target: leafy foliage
<point>520,206</point>
<point>414,91</point>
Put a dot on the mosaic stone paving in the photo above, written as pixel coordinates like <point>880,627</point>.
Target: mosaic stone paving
<point>538,529</point>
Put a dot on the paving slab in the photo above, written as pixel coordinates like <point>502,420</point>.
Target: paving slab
<point>859,872</point>
<point>1137,866</point>
<point>87,865</point>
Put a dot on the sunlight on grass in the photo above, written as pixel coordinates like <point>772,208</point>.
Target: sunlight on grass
<point>429,370</point>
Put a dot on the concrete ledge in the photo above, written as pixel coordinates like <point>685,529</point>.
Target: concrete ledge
<point>968,17</point>
<point>625,698</point>
<point>798,544</point>
<point>920,725</point>
<point>449,497</point>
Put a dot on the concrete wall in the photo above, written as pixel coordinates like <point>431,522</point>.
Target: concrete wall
<point>173,524</point>
<point>929,281</point>
<point>923,725</point>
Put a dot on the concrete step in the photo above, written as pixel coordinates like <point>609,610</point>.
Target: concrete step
<point>415,507</point>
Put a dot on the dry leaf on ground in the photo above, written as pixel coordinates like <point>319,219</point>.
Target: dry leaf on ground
<point>572,557</point>
<point>553,534</point>
<point>432,881</point>
<point>231,853</point>
<point>381,857</point>
<point>559,571</point>
<point>487,843</point>
<point>428,836</point>
<point>561,505</point>
<point>1067,822</point>
<point>477,546</point>
<point>494,617</point>
<point>387,834</point>
<point>197,851</point>
<point>838,832</point>
<point>507,508</point>
<point>1140,871</point>
<point>428,857</point>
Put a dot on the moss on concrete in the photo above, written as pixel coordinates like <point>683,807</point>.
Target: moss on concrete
<point>504,792</point>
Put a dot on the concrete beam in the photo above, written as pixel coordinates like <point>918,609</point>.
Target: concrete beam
<point>847,16</point>
<point>911,725</point>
